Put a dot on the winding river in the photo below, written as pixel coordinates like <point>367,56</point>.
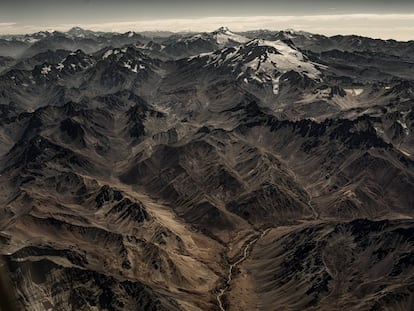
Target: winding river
<point>234,265</point>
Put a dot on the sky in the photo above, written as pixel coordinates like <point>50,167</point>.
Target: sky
<point>374,18</point>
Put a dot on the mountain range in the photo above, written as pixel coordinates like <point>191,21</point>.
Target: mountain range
<point>263,170</point>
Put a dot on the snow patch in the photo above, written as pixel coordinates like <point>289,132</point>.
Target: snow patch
<point>379,131</point>
<point>60,66</point>
<point>31,40</point>
<point>354,92</point>
<point>201,55</point>
<point>134,68</point>
<point>275,83</point>
<point>404,126</point>
<point>46,69</point>
<point>107,54</point>
<point>225,36</point>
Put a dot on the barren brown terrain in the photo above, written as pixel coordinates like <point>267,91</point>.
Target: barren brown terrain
<point>212,171</point>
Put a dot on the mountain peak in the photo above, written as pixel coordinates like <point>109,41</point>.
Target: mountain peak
<point>80,32</point>
<point>292,31</point>
<point>223,35</point>
<point>222,29</point>
<point>76,30</point>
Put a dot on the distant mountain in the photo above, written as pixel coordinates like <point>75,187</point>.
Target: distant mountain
<point>350,43</point>
<point>77,32</point>
<point>183,46</point>
<point>26,46</point>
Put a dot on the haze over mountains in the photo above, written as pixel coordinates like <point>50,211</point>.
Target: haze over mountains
<point>264,170</point>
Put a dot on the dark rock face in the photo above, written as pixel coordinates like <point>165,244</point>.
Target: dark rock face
<point>136,173</point>
<point>295,80</point>
<point>328,262</point>
<point>94,290</point>
<point>73,131</point>
<point>129,211</point>
<point>270,204</point>
<point>106,194</point>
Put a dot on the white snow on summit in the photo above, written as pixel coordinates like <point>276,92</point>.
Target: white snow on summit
<point>285,59</point>
<point>264,61</point>
<point>223,35</point>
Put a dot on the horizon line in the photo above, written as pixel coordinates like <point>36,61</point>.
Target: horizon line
<point>391,26</point>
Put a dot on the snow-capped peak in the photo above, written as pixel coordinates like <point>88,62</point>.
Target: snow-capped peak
<point>127,57</point>
<point>297,32</point>
<point>264,61</point>
<point>78,32</point>
<point>222,29</point>
<point>130,34</point>
<point>281,56</point>
<point>223,35</point>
